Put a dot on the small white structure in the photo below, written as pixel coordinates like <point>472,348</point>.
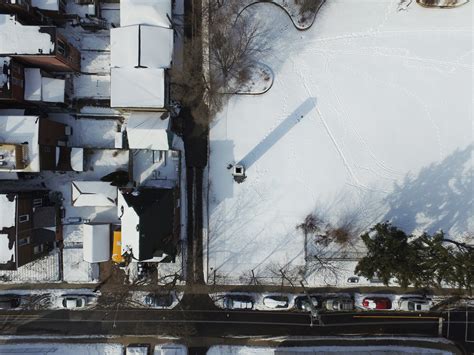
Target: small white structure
<point>147,130</point>
<point>41,88</point>
<point>141,46</point>
<point>146,12</point>
<point>77,159</point>
<point>93,194</point>
<point>20,130</point>
<point>96,242</point>
<point>50,5</point>
<point>142,88</point>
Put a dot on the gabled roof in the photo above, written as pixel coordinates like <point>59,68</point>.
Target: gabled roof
<point>146,12</point>
<point>93,193</point>
<point>141,45</point>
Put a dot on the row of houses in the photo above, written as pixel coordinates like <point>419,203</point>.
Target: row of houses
<point>36,61</point>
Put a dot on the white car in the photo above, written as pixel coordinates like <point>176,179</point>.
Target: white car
<point>276,301</point>
<point>415,304</point>
<point>74,302</point>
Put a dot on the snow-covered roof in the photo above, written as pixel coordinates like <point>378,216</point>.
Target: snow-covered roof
<point>6,254</point>
<point>39,88</point>
<point>77,159</point>
<point>138,87</point>
<point>146,130</point>
<point>93,193</point>
<point>96,242</point>
<point>141,45</point>
<point>130,225</point>
<point>18,39</point>
<point>21,129</point>
<point>51,5</point>
<point>7,212</point>
<point>145,12</point>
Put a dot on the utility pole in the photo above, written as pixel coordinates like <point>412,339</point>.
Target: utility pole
<point>314,312</point>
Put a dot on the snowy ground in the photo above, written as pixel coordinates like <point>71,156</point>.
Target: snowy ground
<point>370,115</point>
<point>45,269</point>
<point>62,348</point>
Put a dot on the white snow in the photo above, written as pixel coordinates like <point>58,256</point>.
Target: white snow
<point>352,349</point>
<point>145,12</point>
<point>93,193</point>
<point>129,225</point>
<point>75,269</point>
<point>45,269</point>
<point>18,39</point>
<point>39,88</point>
<point>51,5</point>
<point>62,348</point>
<point>147,130</point>
<point>138,88</point>
<point>125,46</point>
<point>6,254</point>
<point>32,84</point>
<point>356,123</point>
<point>7,212</point>
<point>96,242</point>
<point>21,129</point>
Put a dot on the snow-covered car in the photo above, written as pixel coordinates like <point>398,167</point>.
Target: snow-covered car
<point>415,304</point>
<point>137,349</point>
<point>377,303</point>
<point>339,304</point>
<point>276,301</point>
<point>9,301</point>
<point>236,302</point>
<point>303,304</point>
<point>74,302</point>
<point>160,300</point>
<point>174,349</point>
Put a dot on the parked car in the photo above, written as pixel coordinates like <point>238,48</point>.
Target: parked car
<point>303,304</point>
<point>171,349</point>
<point>137,349</point>
<point>237,302</point>
<point>415,304</point>
<point>353,280</point>
<point>276,301</point>
<point>377,303</point>
<point>74,302</point>
<point>339,304</point>
<point>9,301</point>
<point>159,300</point>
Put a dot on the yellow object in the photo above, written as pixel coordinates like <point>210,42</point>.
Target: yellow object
<point>117,247</point>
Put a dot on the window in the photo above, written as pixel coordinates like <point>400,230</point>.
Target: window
<point>38,249</point>
<point>62,49</point>
<point>37,202</point>
<point>24,241</point>
<point>24,218</point>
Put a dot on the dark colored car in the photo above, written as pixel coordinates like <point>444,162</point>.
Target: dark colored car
<point>302,303</point>
<point>159,300</point>
<point>377,303</point>
<point>9,301</point>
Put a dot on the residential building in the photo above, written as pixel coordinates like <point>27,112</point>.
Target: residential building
<point>28,227</point>
<point>34,143</point>
<point>39,46</point>
<point>25,87</point>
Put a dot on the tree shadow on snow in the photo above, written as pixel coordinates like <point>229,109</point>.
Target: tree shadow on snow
<point>440,197</point>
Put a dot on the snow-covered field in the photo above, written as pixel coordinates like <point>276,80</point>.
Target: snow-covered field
<point>370,115</point>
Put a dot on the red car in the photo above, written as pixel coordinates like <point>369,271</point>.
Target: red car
<point>377,303</point>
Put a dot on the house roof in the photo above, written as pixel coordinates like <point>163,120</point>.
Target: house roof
<point>141,45</point>
<point>19,130</point>
<point>93,193</point>
<point>147,130</point>
<point>152,210</point>
<point>40,88</point>
<point>138,88</point>
<point>16,38</point>
<point>146,12</point>
<point>7,211</point>
<point>7,224</point>
<point>96,242</point>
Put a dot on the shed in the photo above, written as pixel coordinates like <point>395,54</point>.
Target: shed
<point>93,193</point>
<point>96,242</point>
